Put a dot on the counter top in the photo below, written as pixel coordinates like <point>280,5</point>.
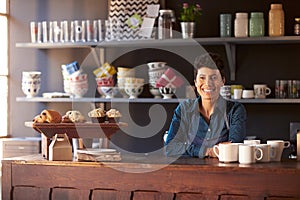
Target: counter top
<point>149,177</point>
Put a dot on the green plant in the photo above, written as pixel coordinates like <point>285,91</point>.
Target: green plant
<point>190,13</point>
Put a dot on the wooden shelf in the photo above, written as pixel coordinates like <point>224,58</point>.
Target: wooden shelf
<point>144,100</point>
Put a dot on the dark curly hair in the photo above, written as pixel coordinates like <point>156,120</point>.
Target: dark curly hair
<point>210,60</point>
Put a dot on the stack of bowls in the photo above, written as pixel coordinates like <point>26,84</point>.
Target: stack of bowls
<point>105,87</point>
<point>155,71</point>
<point>31,83</point>
<point>123,73</point>
<point>134,86</point>
<point>78,85</point>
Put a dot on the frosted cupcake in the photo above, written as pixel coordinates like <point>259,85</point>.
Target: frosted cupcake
<point>113,116</point>
<point>97,115</point>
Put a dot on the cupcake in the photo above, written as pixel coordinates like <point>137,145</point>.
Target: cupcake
<point>75,116</point>
<point>113,115</point>
<point>97,115</point>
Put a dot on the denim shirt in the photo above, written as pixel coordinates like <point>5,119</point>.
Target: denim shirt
<point>189,133</point>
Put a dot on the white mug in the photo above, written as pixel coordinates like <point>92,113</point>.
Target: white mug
<point>277,147</point>
<point>227,152</point>
<point>267,153</point>
<point>254,142</point>
<point>249,154</point>
<point>237,93</point>
<point>261,91</point>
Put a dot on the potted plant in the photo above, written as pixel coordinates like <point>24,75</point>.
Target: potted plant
<point>188,17</point>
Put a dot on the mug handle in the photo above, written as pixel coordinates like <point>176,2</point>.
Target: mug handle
<point>215,150</point>
<point>261,153</point>
<point>268,91</point>
<point>287,144</point>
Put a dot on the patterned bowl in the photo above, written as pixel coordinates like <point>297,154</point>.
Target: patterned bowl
<point>167,92</point>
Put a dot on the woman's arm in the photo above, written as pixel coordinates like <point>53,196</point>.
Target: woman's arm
<point>238,117</point>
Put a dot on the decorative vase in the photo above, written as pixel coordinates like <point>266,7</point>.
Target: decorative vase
<point>188,29</point>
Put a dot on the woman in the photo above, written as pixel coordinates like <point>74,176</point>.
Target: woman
<point>199,124</point>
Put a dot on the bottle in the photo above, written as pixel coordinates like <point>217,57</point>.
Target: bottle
<point>165,24</point>
<point>225,25</point>
<point>256,24</point>
<point>297,26</point>
<point>276,20</point>
<point>241,25</point>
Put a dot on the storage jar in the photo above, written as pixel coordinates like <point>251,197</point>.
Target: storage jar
<point>165,24</point>
<point>276,20</point>
<point>241,25</point>
<point>297,26</point>
<point>257,24</point>
<point>225,25</point>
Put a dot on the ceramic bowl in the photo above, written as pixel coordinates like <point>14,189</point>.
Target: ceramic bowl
<point>155,92</point>
<point>105,81</point>
<point>134,81</point>
<point>156,65</point>
<point>167,92</point>
<point>78,88</point>
<point>108,91</point>
<point>133,91</point>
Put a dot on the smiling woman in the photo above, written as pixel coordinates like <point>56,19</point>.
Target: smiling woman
<point>3,67</point>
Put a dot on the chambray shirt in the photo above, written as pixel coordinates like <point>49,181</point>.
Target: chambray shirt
<point>189,133</point>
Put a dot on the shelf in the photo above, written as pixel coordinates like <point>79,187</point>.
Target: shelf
<point>229,43</point>
<point>91,99</point>
<point>144,100</point>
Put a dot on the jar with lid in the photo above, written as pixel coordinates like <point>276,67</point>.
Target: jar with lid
<point>297,26</point>
<point>225,25</point>
<point>165,26</point>
<point>276,20</point>
<point>256,24</point>
<point>241,25</point>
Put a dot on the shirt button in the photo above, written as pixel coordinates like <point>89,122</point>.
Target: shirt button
<point>209,129</point>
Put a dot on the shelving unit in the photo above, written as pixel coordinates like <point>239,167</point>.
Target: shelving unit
<point>229,43</point>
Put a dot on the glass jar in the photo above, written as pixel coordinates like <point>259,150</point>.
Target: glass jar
<point>256,24</point>
<point>165,24</point>
<point>241,25</point>
<point>225,25</point>
<point>297,26</point>
<point>276,20</point>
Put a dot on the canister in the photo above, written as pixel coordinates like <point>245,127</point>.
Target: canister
<point>241,24</point>
<point>297,26</point>
<point>276,20</point>
<point>256,24</point>
<point>225,25</point>
<point>165,24</point>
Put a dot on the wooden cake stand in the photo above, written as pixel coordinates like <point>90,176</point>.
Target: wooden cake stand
<point>75,130</point>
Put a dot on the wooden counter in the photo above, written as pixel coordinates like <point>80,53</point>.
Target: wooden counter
<point>148,178</point>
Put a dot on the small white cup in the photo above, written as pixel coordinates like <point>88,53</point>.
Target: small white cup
<point>249,154</point>
<point>277,147</point>
<point>248,94</point>
<point>227,152</point>
<point>237,93</point>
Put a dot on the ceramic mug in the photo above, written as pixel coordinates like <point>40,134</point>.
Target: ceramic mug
<point>253,142</point>
<point>267,153</point>
<point>249,154</point>
<point>237,93</point>
<point>277,147</point>
<point>227,152</point>
<point>225,91</point>
<point>233,87</point>
<point>261,91</point>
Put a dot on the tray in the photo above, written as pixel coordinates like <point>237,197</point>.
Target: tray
<point>77,130</point>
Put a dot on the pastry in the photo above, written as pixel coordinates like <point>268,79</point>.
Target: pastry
<point>75,116</point>
<point>113,115</point>
<point>48,116</point>
<point>97,115</point>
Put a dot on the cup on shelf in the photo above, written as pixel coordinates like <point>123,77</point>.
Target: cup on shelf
<point>261,91</point>
<point>31,83</point>
<point>248,94</point>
